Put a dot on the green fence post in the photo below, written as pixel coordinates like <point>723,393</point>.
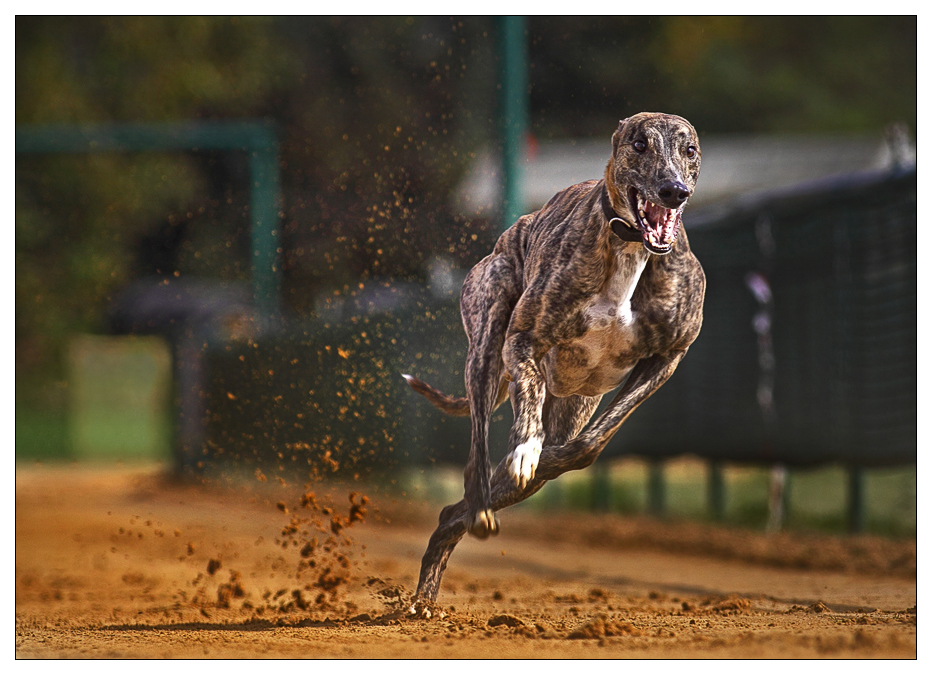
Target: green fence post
<point>855,499</point>
<point>601,488</point>
<point>265,263</point>
<point>716,490</point>
<point>514,115</point>
<point>656,489</point>
<point>554,496</point>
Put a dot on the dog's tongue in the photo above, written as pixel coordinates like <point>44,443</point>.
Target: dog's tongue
<point>662,224</point>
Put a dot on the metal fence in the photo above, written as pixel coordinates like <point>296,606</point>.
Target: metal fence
<point>824,369</point>
<point>807,353</point>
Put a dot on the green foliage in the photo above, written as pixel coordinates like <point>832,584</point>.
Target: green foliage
<point>80,69</point>
<point>724,74</point>
<point>42,434</point>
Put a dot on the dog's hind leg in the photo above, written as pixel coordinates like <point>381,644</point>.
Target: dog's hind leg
<point>490,291</point>
<point>646,378</point>
<point>563,419</point>
<point>566,452</point>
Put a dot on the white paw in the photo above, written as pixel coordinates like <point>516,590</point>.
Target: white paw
<point>522,462</point>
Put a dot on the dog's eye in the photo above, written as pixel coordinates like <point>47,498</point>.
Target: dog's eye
<point>639,146</point>
<point>691,151</point>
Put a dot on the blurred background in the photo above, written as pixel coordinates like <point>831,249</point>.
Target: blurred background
<point>234,234</point>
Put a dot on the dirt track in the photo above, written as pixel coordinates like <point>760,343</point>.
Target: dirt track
<point>121,563</point>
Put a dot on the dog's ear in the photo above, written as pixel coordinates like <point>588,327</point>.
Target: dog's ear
<point>616,137</point>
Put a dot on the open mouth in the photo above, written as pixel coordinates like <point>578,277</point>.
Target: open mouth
<point>659,225</point>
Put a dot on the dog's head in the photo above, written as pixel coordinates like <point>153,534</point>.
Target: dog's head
<point>652,173</point>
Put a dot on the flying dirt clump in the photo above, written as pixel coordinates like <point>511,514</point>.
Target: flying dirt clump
<point>231,589</point>
<point>315,553</point>
<point>324,551</point>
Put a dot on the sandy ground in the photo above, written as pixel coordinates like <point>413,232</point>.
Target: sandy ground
<point>124,563</point>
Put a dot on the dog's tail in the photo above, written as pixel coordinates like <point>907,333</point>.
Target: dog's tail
<point>451,405</point>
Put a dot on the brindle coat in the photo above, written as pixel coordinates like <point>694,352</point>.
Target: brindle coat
<point>594,290</point>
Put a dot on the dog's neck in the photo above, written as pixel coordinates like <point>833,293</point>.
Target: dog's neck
<point>627,266</point>
<point>618,226</point>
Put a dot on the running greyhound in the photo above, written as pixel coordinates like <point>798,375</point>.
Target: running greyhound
<point>596,290</point>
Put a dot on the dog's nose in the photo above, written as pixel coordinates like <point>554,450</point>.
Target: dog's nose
<point>673,194</point>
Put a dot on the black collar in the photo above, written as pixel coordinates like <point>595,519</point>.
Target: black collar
<point>618,226</point>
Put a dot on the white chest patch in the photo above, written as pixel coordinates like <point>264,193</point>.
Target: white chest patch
<point>610,316</point>
<point>590,364</point>
<point>616,297</point>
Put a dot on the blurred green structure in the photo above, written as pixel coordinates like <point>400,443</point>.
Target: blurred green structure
<point>842,271</point>
<point>514,114</point>
<point>257,139</point>
<point>96,416</point>
<point>119,394</point>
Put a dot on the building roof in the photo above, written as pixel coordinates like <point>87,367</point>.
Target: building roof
<point>732,165</point>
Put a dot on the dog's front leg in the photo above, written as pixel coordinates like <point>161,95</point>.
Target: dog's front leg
<point>646,378</point>
<point>555,460</point>
<point>528,391</point>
